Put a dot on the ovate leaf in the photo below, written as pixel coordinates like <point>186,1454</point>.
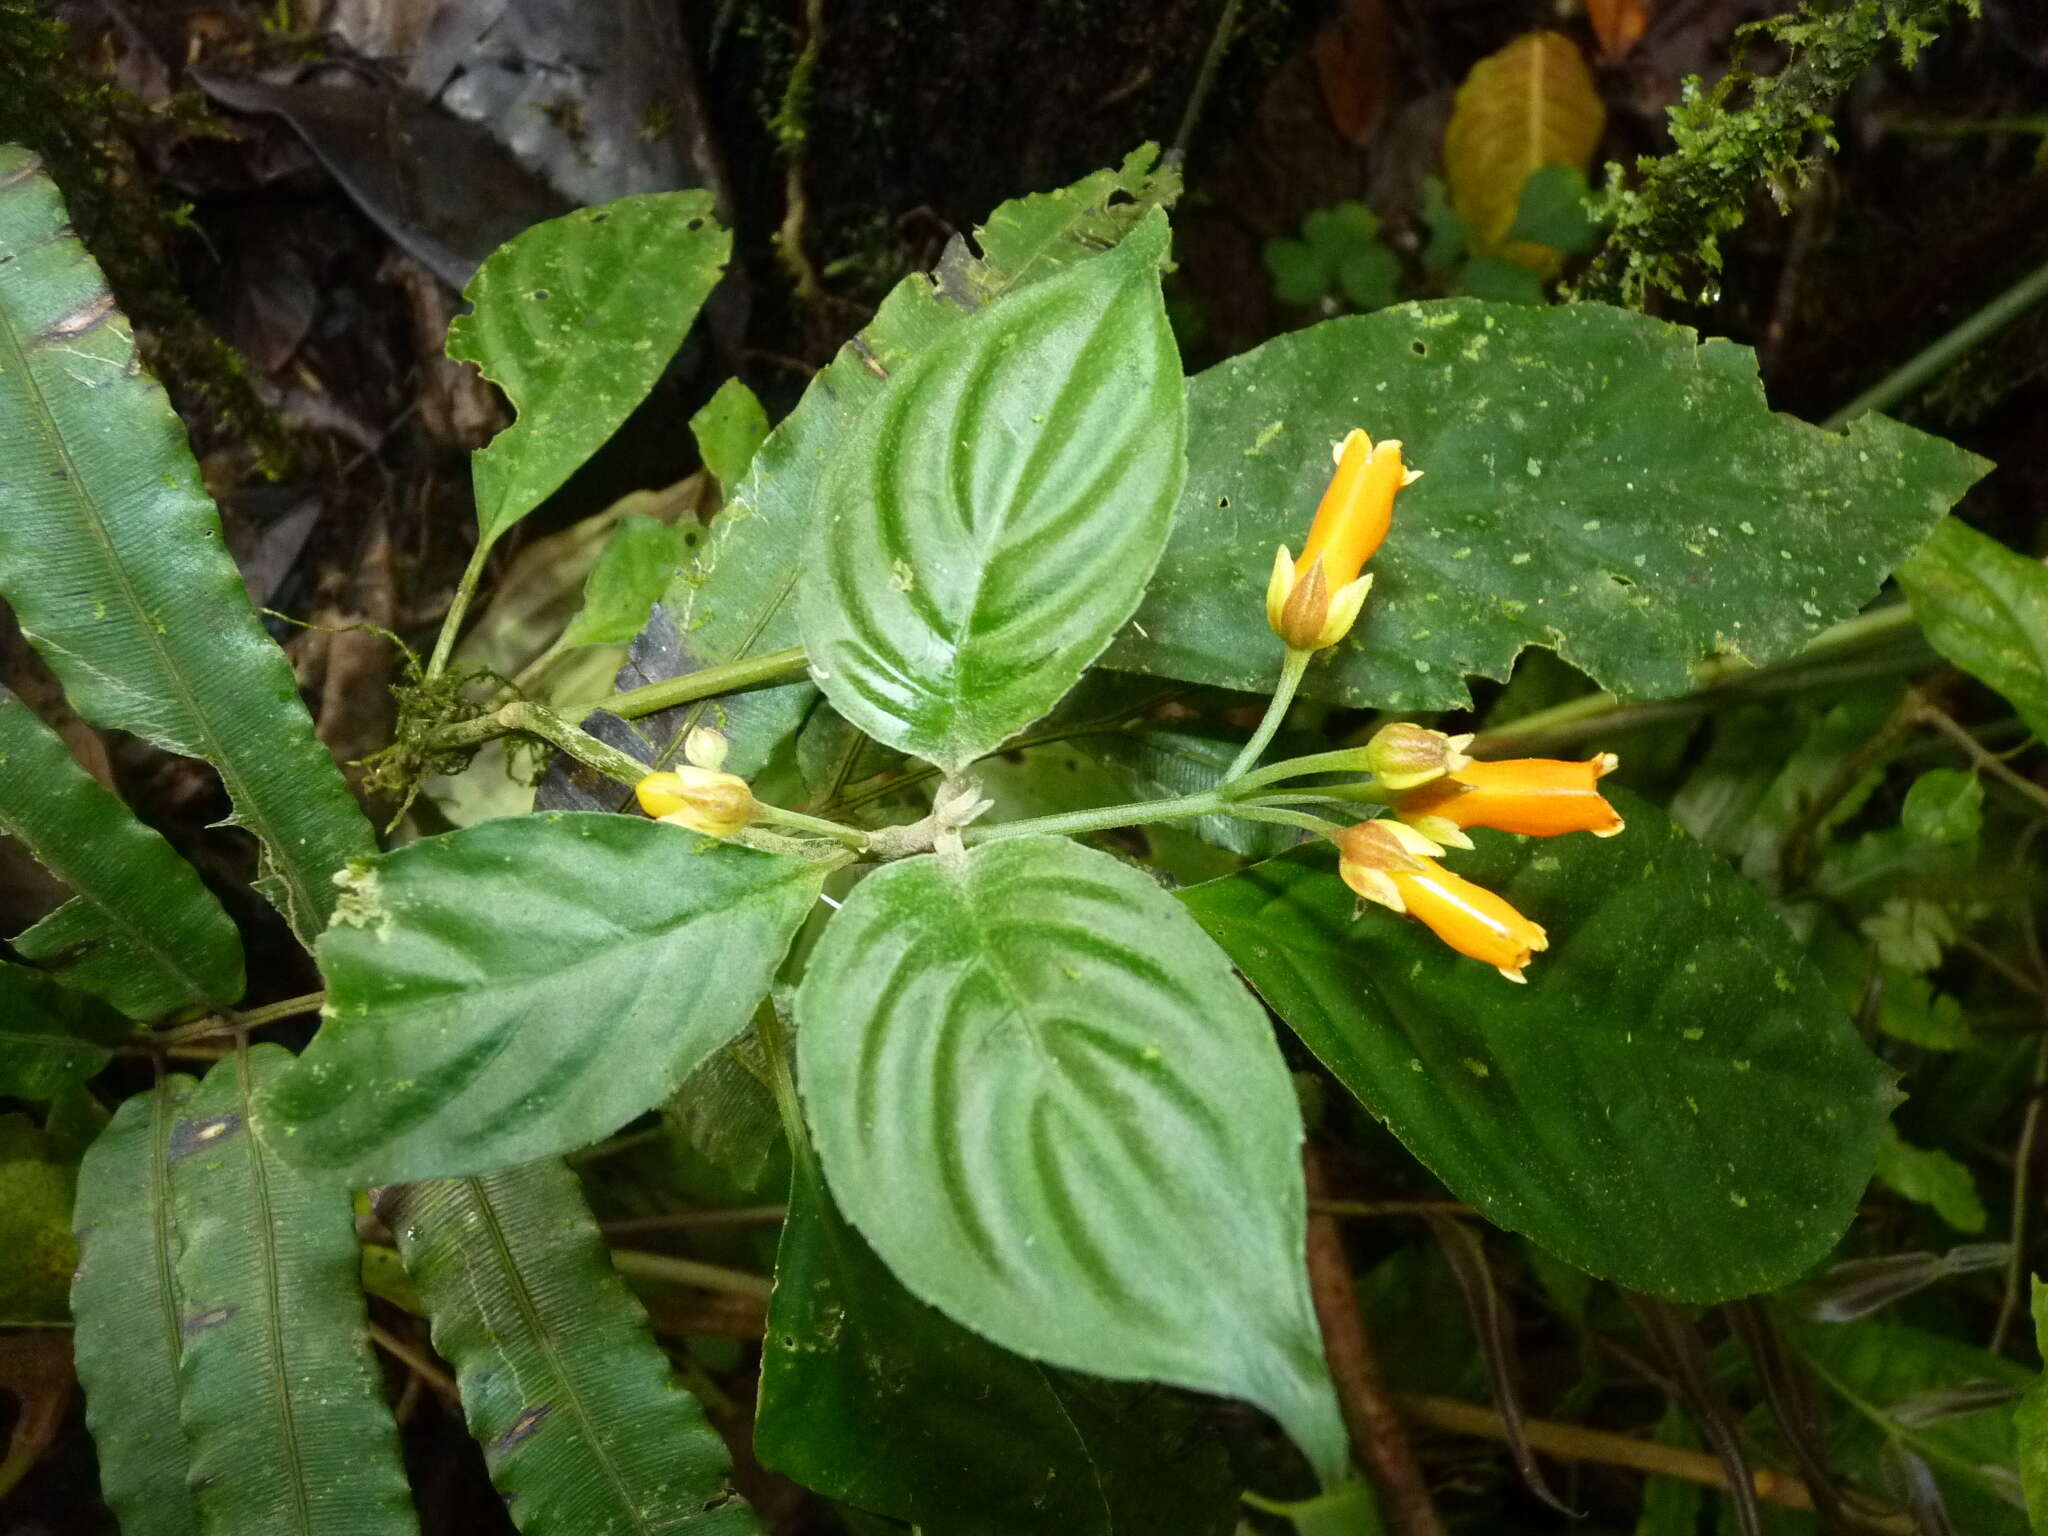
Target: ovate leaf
<point>1040,1095</point>
<point>637,564</point>
<point>963,576</point>
<point>50,1039</point>
<point>142,930</point>
<point>283,1407</point>
<point>1531,105</point>
<point>1673,1102</point>
<point>111,555</point>
<point>523,987</point>
<point>729,431</point>
<point>871,1397</point>
<point>1985,609</point>
<point>1945,805</point>
<point>584,1427</point>
<point>738,600</point>
<point>1594,481</point>
<point>575,319</point>
<point>128,1318</point>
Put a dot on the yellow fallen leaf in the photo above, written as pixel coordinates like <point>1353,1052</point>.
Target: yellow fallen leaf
<point>1530,105</point>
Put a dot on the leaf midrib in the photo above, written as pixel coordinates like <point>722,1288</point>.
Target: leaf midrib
<point>544,1342</point>
<point>83,500</point>
<point>273,1329</point>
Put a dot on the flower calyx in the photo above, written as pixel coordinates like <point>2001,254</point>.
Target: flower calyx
<point>708,802</point>
<point>1404,755</point>
<point>1312,602</point>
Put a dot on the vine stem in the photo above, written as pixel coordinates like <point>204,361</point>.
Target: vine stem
<point>1205,77</point>
<point>1923,365</point>
<point>1291,671</point>
<point>458,609</point>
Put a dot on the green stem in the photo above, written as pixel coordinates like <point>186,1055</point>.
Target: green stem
<point>1905,380</point>
<point>1561,719</point>
<point>776,816</point>
<point>1136,814</point>
<point>635,1265</point>
<point>538,720</point>
<point>1291,671</point>
<point>1205,78</point>
<point>458,608</point>
<point>1344,760</point>
<point>763,671</point>
<point>1316,824</point>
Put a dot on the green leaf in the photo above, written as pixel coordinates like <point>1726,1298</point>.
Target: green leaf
<point>1944,805</point>
<point>1932,1178</point>
<point>1040,1095</point>
<point>50,1039</point>
<point>1986,609</point>
<point>1369,277</point>
<point>35,1226</point>
<point>142,932</point>
<point>872,1397</point>
<point>575,320</point>
<point>634,569</point>
<point>282,1405</point>
<point>1301,272</point>
<point>523,987</point>
<point>2030,1418</point>
<point>1449,234</point>
<point>1673,1102</point>
<point>729,431</point>
<point>1671,1506</point>
<point>1500,282</point>
<point>1553,210</point>
<point>584,1427</point>
<point>1878,1366</point>
<point>1594,481</point>
<point>738,600</point>
<point>111,555</point>
<point>961,579</point>
<point>129,1317</point>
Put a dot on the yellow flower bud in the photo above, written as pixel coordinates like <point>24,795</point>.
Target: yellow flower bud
<point>705,747</point>
<point>1313,602</point>
<point>1404,755</point>
<point>714,804</point>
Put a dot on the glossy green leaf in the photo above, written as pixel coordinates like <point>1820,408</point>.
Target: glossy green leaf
<point>584,1427</point>
<point>128,1316</point>
<point>1986,609</point>
<point>1672,1102</point>
<point>635,568</point>
<point>35,1226</point>
<point>142,930</point>
<point>524,987</point>
<point>2030,1420</point>
<point>1594,481</point>
<point>575,320</point>
<point>1040,1095</point>
<point>872,1397</point>
<point>282,1405</point>
<point>738,600</point>
<point>50,1039</point>
<point>1944,805</point>
<point>111,555</point>
<point>960,580</point>
<point>729,431</point>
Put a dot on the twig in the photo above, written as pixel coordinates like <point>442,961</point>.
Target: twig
<point>232,1022</point>
<point>416,1361</point>
<point>1377,1434</point>
<point>635,1265</point>
<point>1985,759</point>
<point>1795,850</point>
<point>1389,1208</point>
<point>693,1221</point>
<point>1205,78</point>
<point>1573,1442</point>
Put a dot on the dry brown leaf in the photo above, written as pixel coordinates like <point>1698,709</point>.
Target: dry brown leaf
<point>1530,105</point>
<point>1619,24</point>
<point>1354,59</point>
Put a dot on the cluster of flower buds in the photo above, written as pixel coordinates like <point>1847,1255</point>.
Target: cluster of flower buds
<point>1436,793</point>
<point>700,795</point>
<point>1434,789</point>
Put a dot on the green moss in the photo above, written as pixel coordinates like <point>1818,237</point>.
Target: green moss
<point>1749,129</point>
<point>83,129</point>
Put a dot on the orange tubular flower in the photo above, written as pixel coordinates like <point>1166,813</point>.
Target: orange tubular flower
<point>1313,602</point>
<point>1389,866</point>
<point>1538,796</point>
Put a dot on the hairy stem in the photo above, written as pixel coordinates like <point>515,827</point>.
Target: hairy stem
<point>1291,671</point>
